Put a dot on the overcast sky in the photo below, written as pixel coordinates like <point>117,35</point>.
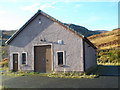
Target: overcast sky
<point>94,15</point>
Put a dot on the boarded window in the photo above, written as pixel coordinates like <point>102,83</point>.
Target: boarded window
<point>24,58</point>
<point>60,58</point>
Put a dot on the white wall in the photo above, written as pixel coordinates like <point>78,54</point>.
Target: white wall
<point>90,56</point>
<point>51,32</point>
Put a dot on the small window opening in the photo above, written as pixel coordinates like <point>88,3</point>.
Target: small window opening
<point>60,58</point>
<point>39,21</point>
<point>24,58</point>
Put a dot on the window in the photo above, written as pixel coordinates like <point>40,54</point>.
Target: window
<point>60,58</point>
<point>24,57</point>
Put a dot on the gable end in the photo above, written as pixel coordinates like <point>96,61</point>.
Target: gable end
<point>53,19</point>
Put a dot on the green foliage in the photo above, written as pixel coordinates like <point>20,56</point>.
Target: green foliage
<point>108,56</point>
<point>68,75</point>
<point>54,74</point>
<point>5,64</point>
<point>4,52</point>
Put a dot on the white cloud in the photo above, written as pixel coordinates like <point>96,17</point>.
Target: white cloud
<point>3,12</point>
<point>10,21</point>
<point>31,7</point>
<point>42,7</point>
<point>78,5</point>
<point>37,6</point>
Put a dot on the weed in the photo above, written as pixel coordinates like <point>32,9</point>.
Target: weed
<point>55,75</point>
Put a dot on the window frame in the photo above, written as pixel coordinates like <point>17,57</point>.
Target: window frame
<point>63,58</point>
<point>22,58</point>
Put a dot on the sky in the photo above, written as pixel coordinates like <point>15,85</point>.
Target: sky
<point>92,14</point>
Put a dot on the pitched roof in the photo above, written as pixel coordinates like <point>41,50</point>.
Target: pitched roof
<point>53,19</point>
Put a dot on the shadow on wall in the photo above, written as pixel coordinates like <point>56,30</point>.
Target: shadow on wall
<point>105,70</point>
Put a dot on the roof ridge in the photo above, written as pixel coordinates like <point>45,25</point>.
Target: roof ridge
<point>50,17</point>
<point>62,23</point>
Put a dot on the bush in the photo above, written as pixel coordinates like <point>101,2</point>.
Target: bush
<point>108,56</point>
<point>4,62</point>
<point>4,51</point>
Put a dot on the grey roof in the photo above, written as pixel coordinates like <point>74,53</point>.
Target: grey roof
<point>53,19</point>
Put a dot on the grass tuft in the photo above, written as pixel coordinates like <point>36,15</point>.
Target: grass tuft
<point>54,74</point>
<point>113,64</point>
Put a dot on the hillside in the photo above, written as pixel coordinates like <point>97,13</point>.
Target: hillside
<point>4,35</point>
<point>82,30</point>
<point>101,31</point>
<point>107,40</point>
<point>108,44</point>
<point>102,39</point>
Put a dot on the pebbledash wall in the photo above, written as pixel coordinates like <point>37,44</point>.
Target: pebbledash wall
<point>90,56</point>
<point>52,32</point>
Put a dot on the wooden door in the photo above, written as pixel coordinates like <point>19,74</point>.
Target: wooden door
<point>42,58</point>
<point>48,59</point>
<point>15,62</point>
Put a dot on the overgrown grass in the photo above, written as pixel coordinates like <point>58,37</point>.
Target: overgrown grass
<point>109,57</point>
<point>4,88</point>
<point>4,68</point>
<point>1,87</point>
<point>6,72</point>
<point>69,75</point>
<point>113,64</point>
<point>95,74</point>
<point>54,74</point>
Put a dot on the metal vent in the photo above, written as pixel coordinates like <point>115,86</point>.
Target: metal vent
<point>60,42</point>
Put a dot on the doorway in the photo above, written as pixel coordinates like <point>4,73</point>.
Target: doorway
<point>42,58</point>
<point>15,62</point>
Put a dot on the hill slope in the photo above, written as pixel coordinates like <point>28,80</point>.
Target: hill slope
<point>107,40</point>
<point>108,44</point>
<point>82,30</point>
<point>4,35</point>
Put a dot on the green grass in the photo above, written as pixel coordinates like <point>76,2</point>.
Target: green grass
<point>113,64</point>
<point>4,88</point>
<point>1,87</point>
<point>69,75</point>
<point>54,74</point>
<point>60,74</point>
<point>4,68</point>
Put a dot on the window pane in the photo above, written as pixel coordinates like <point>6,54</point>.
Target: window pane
<point>23,58</point>
<point>60,58</point>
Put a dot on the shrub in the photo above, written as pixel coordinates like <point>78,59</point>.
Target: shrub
<point>108,56</point>
<point>4,62</point>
